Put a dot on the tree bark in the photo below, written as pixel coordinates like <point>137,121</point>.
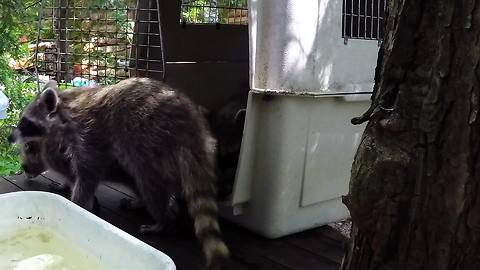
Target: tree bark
<point>414,188</point>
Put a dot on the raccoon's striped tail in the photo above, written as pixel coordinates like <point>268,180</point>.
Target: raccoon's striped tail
<point>199,189</point>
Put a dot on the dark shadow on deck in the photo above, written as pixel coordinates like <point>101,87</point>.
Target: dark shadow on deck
<point>317,249</point>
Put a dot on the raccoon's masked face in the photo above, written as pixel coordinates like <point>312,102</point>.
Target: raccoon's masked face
<point>30,155</point>
<point>38,117</point>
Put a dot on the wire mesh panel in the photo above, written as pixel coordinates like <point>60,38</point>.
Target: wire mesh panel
<point>363,19</point>
<point>85,42</point>
<point>214,11</point>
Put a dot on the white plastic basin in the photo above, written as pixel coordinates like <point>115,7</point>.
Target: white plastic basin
<point>114,248</point>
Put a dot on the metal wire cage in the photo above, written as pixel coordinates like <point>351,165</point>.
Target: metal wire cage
<point>363,19</point>
<point>88,42</point>
<point>214,12</point>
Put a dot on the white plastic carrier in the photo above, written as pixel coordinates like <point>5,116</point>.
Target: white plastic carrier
<point>298,144</point>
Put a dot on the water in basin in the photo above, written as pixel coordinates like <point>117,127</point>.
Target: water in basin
<point>37,248</point>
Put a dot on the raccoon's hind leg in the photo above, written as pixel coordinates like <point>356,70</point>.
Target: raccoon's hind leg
<point>162,206</point>
<point>155,186</point>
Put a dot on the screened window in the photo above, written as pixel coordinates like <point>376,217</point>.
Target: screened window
<point>363,19</point>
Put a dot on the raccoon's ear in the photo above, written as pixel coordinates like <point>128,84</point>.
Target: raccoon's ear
<point>239,118</point>
<point>51,84</point>
<point>49,98</point>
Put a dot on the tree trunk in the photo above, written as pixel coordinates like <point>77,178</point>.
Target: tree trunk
<point>414,187</point>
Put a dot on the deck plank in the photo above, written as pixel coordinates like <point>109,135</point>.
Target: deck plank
<point>326,247</point>
<point>6,186</point>
<point>320,248</point>
<point>39,183</point>
<point>288,256</point>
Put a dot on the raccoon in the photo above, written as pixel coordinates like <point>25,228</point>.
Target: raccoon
<point>154,132</point>
<point>227,126</point>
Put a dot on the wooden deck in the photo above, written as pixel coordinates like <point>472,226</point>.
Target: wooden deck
<point>317,249</point>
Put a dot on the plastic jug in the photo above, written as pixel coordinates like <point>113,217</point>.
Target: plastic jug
<point>3,105</point>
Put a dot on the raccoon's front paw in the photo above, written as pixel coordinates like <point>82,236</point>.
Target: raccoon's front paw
<point>131,204</point>
<point>151,228</point>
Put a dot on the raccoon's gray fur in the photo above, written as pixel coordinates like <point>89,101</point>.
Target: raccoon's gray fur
<point>227,126</point>
<point>155,133</point>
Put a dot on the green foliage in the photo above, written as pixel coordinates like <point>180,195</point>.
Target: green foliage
<point>8,33</point>
<point>20,92</point>
<point>15,19</point>
<point>19,18</point>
